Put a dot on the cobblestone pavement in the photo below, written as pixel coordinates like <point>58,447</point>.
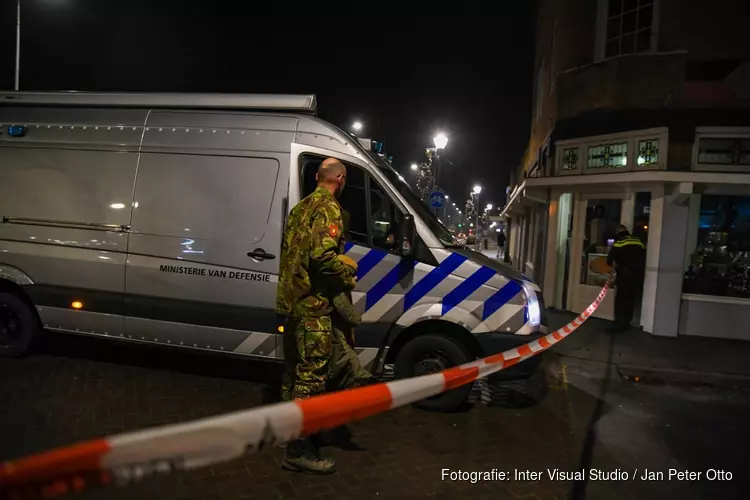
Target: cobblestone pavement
<point>83,388</point>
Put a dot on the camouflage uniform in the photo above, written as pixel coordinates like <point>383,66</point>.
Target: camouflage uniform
<point>309,269</point>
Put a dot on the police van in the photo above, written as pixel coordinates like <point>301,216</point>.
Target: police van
<point>157,218</point>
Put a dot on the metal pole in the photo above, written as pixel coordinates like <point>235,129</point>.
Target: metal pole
<point>18,41</point>
<point>435,176</point>
<point>477,224</point>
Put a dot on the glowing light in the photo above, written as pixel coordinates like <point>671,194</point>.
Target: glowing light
<point>477,189</point>
<point>414,166</point>
<point>76,304</point>
<point>117,206</point>
<point>357,126</point>
<point>440,141</point>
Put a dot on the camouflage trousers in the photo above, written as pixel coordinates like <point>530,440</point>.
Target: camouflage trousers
<point>317,359</point>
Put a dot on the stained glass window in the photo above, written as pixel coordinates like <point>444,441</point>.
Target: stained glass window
<point>648,152</point>
<point>570,159</point>
<point>608,156</point>
<point>629,27</point>
<point>724,151</point>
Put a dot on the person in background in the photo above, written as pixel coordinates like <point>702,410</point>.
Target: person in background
<point>500,235</point>
<point>628,256</point>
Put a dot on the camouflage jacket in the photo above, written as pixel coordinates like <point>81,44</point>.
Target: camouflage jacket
<point>309,255</point>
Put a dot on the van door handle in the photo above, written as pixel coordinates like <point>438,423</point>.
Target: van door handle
<point>260,254</point>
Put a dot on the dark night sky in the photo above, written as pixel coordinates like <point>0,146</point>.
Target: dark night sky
<point>404,77</point>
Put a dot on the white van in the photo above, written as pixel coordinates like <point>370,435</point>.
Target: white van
<point>157,218</point>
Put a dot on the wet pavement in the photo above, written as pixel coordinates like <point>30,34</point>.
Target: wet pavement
<point>82,388</point>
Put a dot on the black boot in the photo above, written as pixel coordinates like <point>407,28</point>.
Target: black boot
<point>302,455</point>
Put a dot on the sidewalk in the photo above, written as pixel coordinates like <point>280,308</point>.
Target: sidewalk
<point>639,354</point>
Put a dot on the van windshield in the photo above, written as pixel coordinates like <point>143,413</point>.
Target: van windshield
<point>437,228</point>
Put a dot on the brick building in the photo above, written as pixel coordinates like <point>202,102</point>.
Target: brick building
<point>641,116</point>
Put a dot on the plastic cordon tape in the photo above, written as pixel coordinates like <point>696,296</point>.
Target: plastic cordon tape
<point>225,437</point>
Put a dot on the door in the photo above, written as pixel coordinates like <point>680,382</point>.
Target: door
<point>204,249</point>
<point>370,233</point>
<point>595,221</point>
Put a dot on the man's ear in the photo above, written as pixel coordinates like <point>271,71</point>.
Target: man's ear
<point>316,178</point>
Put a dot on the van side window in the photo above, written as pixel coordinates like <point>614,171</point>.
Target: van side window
<point>384,218</point>
<point>352,200</point>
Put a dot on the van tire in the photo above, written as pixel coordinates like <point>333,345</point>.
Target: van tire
<point>429,354</point>
<point>19,326</point>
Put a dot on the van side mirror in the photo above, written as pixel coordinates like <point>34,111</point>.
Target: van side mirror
<point>407,234</point>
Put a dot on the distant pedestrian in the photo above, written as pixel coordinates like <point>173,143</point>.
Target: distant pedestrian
<point>500,243</point>
<point>628,255</point>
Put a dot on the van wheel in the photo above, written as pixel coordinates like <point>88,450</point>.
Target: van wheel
<point>19,326</point>
<point>427,354</point>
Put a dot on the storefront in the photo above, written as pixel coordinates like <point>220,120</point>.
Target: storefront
<point>695,224</point>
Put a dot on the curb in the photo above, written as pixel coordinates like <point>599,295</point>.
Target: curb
<point>682,376</point>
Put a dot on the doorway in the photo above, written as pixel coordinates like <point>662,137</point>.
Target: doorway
<point>594,225</point>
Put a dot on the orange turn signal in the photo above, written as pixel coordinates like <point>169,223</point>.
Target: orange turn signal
<point>76,304</point>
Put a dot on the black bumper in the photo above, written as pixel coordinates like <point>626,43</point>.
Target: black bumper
<point>495,342</point>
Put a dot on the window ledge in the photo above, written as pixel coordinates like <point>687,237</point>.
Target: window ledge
<point>716,299</point>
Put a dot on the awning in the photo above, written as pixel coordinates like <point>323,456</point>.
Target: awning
<point>521,198</point>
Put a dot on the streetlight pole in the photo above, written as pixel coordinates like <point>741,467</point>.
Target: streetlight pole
<point>477,189</point>
<point>18,42</point>
<point>440,142</point>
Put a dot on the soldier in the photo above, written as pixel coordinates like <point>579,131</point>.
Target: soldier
<point>309,268</point>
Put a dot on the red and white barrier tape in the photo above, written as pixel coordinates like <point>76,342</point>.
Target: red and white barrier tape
<point>218,439</point>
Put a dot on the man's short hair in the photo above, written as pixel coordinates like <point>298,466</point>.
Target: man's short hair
<point>330,169</point>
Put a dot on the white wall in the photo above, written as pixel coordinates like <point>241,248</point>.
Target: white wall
<point>665,265</point>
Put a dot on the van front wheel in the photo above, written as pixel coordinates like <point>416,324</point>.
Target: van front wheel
<point>19,327</point>
<point>427,354</point>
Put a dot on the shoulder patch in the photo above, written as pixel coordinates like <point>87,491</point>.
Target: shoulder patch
<point>333,230</point>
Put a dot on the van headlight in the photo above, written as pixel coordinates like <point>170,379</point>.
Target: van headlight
<point>532,305</point>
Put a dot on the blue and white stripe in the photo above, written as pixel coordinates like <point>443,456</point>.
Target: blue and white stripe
<point>403,291</point>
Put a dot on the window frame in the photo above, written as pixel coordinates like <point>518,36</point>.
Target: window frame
<point>368,178</point>
<point>602,18</point>
<point>735,133</point>
<point>632,138</point>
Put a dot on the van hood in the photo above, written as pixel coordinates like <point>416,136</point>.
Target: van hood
<point>493,264</point>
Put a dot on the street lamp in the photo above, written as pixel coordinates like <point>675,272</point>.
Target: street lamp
<point>440,142</point>
<point>357,126</point>
<point>475,193</point>
<point>489,206</point>
<point>414,166</point>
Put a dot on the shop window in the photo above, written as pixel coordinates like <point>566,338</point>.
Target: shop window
<point>648,152</point>
<point>602,219</point>
<point>724,151</point>
<point>720,265</point>
<point>608,156</point>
